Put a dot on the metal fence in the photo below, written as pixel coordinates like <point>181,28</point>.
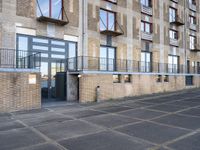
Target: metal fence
<point>11,58</point>
<point>117,65</point>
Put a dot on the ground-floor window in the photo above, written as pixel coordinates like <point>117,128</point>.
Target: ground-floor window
<point>173,64</point>
<point>107,58</point>
<point>116,78</point>
<point>127,78</point>
<point>52,51</point>
<point>145,64</point>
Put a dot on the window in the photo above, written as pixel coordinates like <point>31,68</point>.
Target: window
<point>198,67</point>
<point>116,78</point>
<point>193,2</point>
<point>192,20</point>
<point>145,62</point>
<point>107,58</point>
<point>107,20</point>
<point>166,78</point>
<point>173,34</point>
<point>146,3</point>
<point>50,8</point>
<point>127,78</point>
<point>173,64</point>
<point>159,78</point>
<point>172,14</point>
<point>146,27</point>
<point>192,42</point>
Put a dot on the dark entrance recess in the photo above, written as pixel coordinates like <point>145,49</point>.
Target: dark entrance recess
<point>189,80</point>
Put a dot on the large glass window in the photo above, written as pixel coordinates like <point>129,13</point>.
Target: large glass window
<point>50,8</point>
<point>146,27</point>
<point>193,2</point>
<point>192,42</point>
<point>145,62</point>
<point>173,64</point>
<point>107,20</point>
<point>173,34</point>
<point>107,58</point>
<point>192,20</point>
<point>172,14</point>
<point>146,3</point>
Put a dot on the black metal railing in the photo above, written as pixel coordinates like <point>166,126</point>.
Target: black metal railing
<point>84,63</point>
<point>11,58</point>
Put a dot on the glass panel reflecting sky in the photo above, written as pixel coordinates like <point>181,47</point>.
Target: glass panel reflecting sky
<point>23,43</point>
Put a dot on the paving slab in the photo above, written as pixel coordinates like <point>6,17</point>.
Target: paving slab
<point>152,132</point>
<point>141,113</point>
<point>188,143</point>
<point>110,120</point>
<point>67,129</point>
<point>113,109</point>
<point>187,122</point>
<point>192,112</point>
<point>42,147</point>
<point>167,108</point>
<point>83,113</point>
<point>183,103</point>
<point>14,139</point>
<point>45,119</point>
<point>4,126</point>
<point>104,141</point>
<point>137,104</point>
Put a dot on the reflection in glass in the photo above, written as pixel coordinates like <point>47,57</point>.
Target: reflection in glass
<point>23,43</point>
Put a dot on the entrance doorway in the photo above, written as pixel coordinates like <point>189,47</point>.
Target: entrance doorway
<point>52,50</point>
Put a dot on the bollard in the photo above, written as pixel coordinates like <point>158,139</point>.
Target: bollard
<point>97,93</point>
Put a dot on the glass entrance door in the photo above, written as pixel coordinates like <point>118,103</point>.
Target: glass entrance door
<point>52,50</point>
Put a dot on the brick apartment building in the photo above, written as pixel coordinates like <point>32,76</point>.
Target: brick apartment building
<point>106,49</point>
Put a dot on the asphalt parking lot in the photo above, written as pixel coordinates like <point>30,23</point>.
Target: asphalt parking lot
<point>158,122</point>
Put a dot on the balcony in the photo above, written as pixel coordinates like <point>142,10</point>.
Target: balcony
<point>147,36</point>
<point>193,26</point>
<point>174,42</point>
<point>146,10</point>
<point>177,21</point>
<point>196,48</point>
<point>114,29</point>
<point>192,7</point>
<point>60,20</point>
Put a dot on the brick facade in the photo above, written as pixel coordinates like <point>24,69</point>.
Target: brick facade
<point>16,93</point>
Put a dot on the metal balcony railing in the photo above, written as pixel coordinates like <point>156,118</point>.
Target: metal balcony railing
<point>61,19</point>
<point>114,29</point>
<point>84,63</point>
<point>11,58</point>
<point>192,7</point>
<point>146,10</point>
<point>176,20</point>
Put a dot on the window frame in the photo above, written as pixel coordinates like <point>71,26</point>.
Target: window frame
<point>51,10</point>
<point>145,23</point>
<point>176,34</point>
<point>107,58</point>
<point>107,19</point>
<point>145,63</point>
<point>173,69</point>
<point>171,16</point>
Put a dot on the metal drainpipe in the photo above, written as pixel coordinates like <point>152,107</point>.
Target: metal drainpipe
<point>185,36</point>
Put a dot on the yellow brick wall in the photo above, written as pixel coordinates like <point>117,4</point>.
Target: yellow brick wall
<point>140,85</point>
<point>17,94</point>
